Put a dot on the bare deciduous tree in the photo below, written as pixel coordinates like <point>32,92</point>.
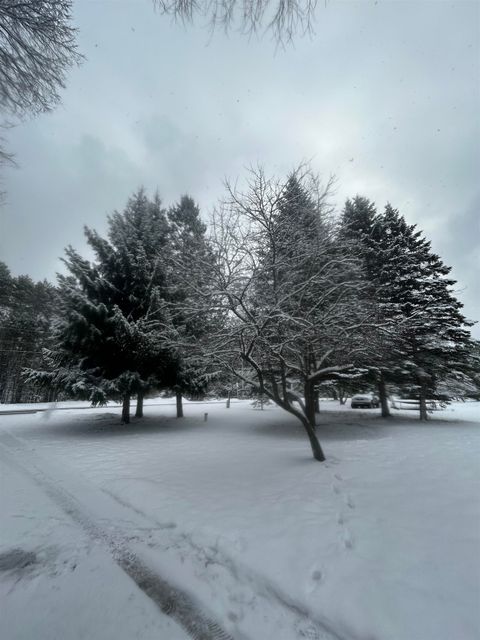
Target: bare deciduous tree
<point>290,292</point>
<point>37,46</point>
<point>6,158</point>
<point>283,18</point>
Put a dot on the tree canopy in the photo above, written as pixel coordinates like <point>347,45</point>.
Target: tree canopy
<point>284,19</point>
<point>426,338</point>
<point>278,293</point>
<point>37,47</point>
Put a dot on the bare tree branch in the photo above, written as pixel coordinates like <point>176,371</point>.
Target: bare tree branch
<point>284,19</point>
<point>37,47</point>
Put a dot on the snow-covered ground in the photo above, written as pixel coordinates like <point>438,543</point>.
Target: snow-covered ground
<point>231,521</point>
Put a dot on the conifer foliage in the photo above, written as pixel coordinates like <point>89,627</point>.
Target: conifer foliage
<point>190,263</point>
<point>291,293</point>
<point>111,339</point>
<point>426,339</point>
<point>26,314</point>
<point>279,295</point>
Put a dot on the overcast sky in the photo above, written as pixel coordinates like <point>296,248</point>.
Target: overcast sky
<point>385,95</point>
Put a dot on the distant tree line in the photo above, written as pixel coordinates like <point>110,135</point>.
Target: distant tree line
<point>277,293</point>
<point>26,315</point>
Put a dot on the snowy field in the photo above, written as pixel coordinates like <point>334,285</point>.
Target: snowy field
<point>234,531</point>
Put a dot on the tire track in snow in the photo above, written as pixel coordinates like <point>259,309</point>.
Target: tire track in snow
<point>170,600</point>
<point>305,625</point>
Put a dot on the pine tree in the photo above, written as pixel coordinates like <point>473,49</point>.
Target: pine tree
<point>427,338</point>
<point>435,335</point>
<point>190,262</point>
<point>113,333</point>
<point>308,251</point>
<point>138,272</point>
<point>291,293</point>
<point>362,227</point>
<point>359,225</point>
<point>5,287</point>
<point>26,313</point>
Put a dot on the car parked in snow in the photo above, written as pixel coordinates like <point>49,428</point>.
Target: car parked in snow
<point>365,401</point>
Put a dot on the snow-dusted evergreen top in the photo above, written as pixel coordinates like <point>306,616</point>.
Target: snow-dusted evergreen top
<point>290,292</point>
<point>121,326</point>
<point>429,338</point>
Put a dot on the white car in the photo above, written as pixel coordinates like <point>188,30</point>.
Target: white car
<point>365,401</point>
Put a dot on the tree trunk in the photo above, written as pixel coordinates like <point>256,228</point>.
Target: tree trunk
<point>18,393</point>
<point>52,394</point>
<point>382,394</point>
<point>139,410</point>
<point>228,400</point>
<point>126,409</point>
<point>178,395</point>
<point>317,401</point>
<point>314,443</point>
<point>309,393</point>
<point>423,404</point>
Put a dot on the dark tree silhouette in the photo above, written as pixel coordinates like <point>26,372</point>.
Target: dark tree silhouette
<point>283,18</point>
<point>37,47</point>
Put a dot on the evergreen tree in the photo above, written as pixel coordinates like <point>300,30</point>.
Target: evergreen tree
<point>314,263</point>
<point>26,314</point>
<point>191,259</point>
<point>362,226</point>
<point>6,284</point>
<point>436,342</point>
<point>111,341</point>
<point>427,338</point>
<point>359,225</point>
<point>291,293</point>
<point>138,270</point>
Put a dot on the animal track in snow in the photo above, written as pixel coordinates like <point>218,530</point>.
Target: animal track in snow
<point>347,539</point>
<point>316,579</point>
<point>317,575</point>
<point>306,630</point>
<point>344,534</point>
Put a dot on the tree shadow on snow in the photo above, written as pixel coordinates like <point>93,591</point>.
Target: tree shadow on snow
<point>108,425</point>
<point>330,427</point>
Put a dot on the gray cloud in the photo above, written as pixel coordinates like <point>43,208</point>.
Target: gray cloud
<point>385,95</point>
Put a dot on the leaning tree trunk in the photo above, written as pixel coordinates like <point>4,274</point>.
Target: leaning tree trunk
<point>382,394</point>
<point>178,396</point>
<point>423,404</point>
<point>309,392</point>
<point>126,409</point>
<point>139,410</point>
<point>314,443</point>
